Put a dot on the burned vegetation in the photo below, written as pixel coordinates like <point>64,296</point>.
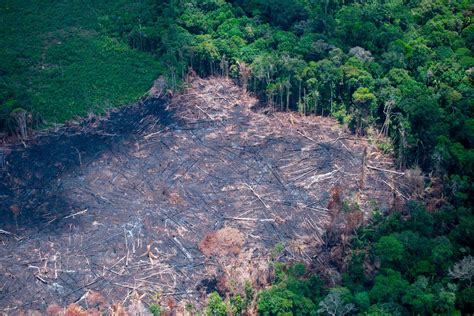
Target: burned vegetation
<point>171,199</point>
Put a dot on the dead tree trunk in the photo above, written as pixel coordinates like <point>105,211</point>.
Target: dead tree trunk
<point>362,171</point>
<point>2,160</point>
<point>244,72</point>
<point>288,86</point>
<point>21,119</point>
<point>387,111</point>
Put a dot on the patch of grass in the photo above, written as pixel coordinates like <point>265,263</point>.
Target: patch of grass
<point>55,62</point>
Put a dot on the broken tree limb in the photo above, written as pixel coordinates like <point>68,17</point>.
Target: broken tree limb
<point>207,114</point>
<point>322,210</point>
<point>79,155</point>
<point>77,213</point>
<point>395,190</point>
<point>362,170</point>
<point>251,219</point>
<point>41,279</point>
<point>386,170</point>
<point>321,177</point>
<point>4,232</point>
<point>188,255</point>
<point>307,137</point>
<point>153,134</point>
<point>258,196</point>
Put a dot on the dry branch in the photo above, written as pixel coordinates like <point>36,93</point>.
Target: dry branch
<point>152,134</point>
<point>256,194</point>
<point>395,190</point>
<point>4,232</point>
<point>385,170</point>
<point>203,111</point>
<point>188,255</point>
<point>307,137</point>
<point>251,219</point>
<point>320,177</point>
<point>77,213</point>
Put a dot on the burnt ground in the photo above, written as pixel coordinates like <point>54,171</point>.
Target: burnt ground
<point>173,197</point>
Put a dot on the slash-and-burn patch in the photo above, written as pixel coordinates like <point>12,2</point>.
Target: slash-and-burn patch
<point>177,191</point>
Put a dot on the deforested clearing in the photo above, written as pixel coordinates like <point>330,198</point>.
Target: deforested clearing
<point>180,196</point>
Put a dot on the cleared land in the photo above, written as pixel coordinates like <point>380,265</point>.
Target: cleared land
<point>178,197</point>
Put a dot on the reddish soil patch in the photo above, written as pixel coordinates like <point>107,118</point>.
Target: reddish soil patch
<point>224,242</point>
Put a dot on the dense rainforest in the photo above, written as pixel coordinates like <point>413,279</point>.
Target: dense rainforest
<point>401,69</point>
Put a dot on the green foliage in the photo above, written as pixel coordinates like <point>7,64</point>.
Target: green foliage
<point>249,293</point>
<point>419,297</point>
<point>389,286</point>
<point>237,304</point>
<point>340,114</point>
<point>420,268</point>
<point>189,307</point>
<point>297,270</point>
<point>385,147</point>
<point>56,63</point>
<point>275,301</point>
<point>465,300</point>
<point>291,293</point>
<point>362,301</point>
<point>215,305</point>
<point>277,250</point>
<point>354,277</point>
<point>442,250</point>
<point>155,309</point>
<point>389,249</point>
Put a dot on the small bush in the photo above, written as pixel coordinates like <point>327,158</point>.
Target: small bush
<point>277,250</point>
<point>155,309</point>
<point>216,306</point>
<point>237,304</point>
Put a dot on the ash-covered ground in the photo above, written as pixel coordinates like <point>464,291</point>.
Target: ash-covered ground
<point>174,197</point>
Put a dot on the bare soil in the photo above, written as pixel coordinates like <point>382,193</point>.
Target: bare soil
<point>175,197</point>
